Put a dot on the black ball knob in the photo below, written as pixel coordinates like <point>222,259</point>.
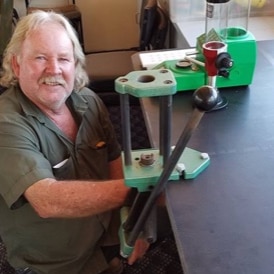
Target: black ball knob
<point>223,72</point>
<point>227,63</point>
<point>205,98</point>
<point>223,61</point>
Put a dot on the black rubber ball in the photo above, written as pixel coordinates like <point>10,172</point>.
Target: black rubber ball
<point>205,98</point>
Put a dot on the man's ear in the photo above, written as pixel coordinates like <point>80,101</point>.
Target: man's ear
<point>15,65</point>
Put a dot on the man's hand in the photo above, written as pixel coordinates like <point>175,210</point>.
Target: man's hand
<point>140,248</point>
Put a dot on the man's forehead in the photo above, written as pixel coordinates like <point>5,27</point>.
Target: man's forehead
<point>48,34</point>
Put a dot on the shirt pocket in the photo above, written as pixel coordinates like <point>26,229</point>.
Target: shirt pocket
<point>93,157</point>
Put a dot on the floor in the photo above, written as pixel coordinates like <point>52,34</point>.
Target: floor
<point>162,258</point>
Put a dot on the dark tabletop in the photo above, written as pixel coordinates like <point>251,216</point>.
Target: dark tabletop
<point>223,220</point>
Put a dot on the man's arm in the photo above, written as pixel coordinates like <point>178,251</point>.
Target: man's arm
<point>70,199</point>
<point>116,169</point>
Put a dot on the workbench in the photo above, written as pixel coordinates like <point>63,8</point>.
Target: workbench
<point>223,220</point>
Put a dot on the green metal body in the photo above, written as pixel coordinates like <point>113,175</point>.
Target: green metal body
<point>152,83</point>
<point>145,177</point>
<point>243,50</point>
<point>146,83</point>
<point>126,249</point>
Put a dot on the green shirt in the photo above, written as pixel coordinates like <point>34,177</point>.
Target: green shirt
<point>31,147</point>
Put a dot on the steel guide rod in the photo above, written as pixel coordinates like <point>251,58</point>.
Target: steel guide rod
<point>126,133</point>
<point>163,179</point>
<point>165,126</point>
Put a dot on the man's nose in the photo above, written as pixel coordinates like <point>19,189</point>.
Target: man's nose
<point>53,66</point>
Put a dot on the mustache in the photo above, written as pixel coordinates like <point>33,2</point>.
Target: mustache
<point>52,80</point>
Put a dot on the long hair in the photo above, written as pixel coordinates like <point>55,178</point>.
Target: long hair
<point>26,25</point>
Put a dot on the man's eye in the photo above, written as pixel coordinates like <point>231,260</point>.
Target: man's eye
<point>40,58</point>
<point>64,59</point>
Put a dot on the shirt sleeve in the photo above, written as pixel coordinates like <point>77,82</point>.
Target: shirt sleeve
<point>21,162</point>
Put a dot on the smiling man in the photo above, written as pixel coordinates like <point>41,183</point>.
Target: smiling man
<point>60,165</point>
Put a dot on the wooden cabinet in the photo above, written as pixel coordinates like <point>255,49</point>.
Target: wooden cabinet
<point>109,24</point>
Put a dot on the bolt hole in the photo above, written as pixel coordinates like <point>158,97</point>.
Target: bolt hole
<point>146,78</point>
<point>163,71</point>
<point>123,80</point>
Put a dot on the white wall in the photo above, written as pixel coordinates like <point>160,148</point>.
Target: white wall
<point>20,7</point>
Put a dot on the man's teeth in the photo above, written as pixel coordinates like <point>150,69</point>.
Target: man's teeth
<point>52,83</point>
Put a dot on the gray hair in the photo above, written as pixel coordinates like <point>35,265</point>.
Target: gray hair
<point>29,23</point>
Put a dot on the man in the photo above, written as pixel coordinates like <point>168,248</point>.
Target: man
<point>60,165</point>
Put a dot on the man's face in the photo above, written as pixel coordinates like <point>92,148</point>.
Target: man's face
<point>46,66</point>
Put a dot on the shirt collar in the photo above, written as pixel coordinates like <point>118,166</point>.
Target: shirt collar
<point>78,103</point>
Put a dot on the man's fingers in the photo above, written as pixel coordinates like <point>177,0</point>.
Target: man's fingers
<point>140,248</point>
